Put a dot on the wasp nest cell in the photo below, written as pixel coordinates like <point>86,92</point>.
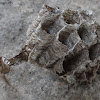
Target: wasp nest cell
<point>66,42</point>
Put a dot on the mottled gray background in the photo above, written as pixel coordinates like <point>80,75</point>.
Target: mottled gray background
<point>30,82</point>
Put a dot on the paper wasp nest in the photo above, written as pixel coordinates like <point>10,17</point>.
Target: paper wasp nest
<point>66,42</point>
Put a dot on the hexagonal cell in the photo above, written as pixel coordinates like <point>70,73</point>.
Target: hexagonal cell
<point>68,36</point>
<point>49,24</point>
<point>94,51</point>
<point>64,33</point>
<point>86,72</point>
<point>87,34</point>
<point>71,16</point>
<point>47,53</point>
<point>72,41</point>
<point>70,63</point>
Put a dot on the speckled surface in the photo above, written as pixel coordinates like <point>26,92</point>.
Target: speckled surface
<point>30,82</point>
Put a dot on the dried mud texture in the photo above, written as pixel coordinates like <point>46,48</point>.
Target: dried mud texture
<point>66,42</point>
